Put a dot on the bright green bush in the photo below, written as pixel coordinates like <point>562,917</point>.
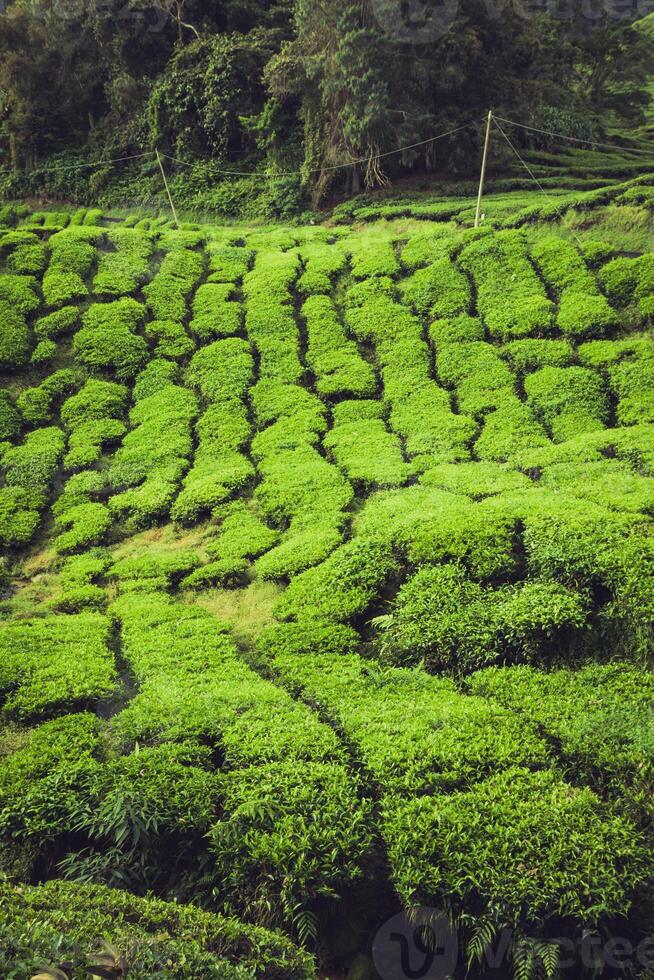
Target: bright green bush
<point>510,297</point>
<point>369,454</point>
<point>9,417</point>
<point>95,400</point>
<point>334,359</point>
<point>55,663</point>
<point>14,338</point>
<point>107,341</point>
<point>455,330</point>
<point>474,846</point>
<point>228,263</point>
<point>19,293</point>
<point>61,921</point>
<point>450,622</point>
<point>439,290</point>
<point>322,262</point>
<point>562,267</point>
<point>80,526</point>
<point>213,314</point>
<point>530,354</point>
<point>28,470</point>
<point>72,253</point>
<point>167,293</point>
<point>125,265</point>
<point>570,400</point>
<point>170,337</point>
<point>222,370</point>
<point>56,324</point>
<point>38,404</point>
<point>583,315</point>
<point>342,586</point>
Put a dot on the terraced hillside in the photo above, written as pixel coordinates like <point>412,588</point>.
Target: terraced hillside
<point>327,590</point>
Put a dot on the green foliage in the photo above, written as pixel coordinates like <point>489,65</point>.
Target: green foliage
<point>125,267</point>
<point>333,358</point>
<point>472,848</point>
<point>14,337</point>
<point>71,255</point>
<point>9,417</point>
<point>510,297</point>
<point>450,622</point>
<point>61,921</point>
<point>28,470</point>
<point>56,324</point>
<point>439,290</point>
<point>38,404</point>
<point>107,341</point>
<point>55,663</point>
<point>570,400</point>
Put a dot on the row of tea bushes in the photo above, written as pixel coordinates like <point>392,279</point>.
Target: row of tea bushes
<point>473,810</point>
<point>282,789</point>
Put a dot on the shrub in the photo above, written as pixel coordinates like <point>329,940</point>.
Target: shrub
<point>510,297</point>
<point>126,267</point>
<point>562,266</point>
<point>168,292</point>
<point>335,360</point>
<point>9,417</point>
<point>18,293</point>
<point>509,432</point>
<point>321,263</point>
<point>371,255</point>
<point>95,400</point>
<point>183,657</point>
<point>228,263</point>
<point>458,847</point>
<point>56,324</point>
<point>456,330</point>
<point>342,586</point>
<point>570,400</point>
<point>368,453</point>
<point>213,315</point>
<point>80,526</point>
<point>222,370</point>
<point>106,342</point>
<point>55,663</point>
<point>171,339</point>
<point>530,354</point>
<point>451,622</point>
<point>599,716</point>
<point>582,315</point>
<point>72,254</point>
<point>38,404</point>
<point>439,290</point>
<point>62,921</point>
<point>154,455</point>
<point>14,338</point>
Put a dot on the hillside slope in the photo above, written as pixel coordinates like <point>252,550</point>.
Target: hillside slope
<point>328,582</point>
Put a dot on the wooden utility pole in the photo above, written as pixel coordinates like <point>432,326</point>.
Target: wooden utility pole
<point>483,167</point>
<point>172,206</point>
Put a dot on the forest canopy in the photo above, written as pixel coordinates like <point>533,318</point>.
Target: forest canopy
<point>295,85</point>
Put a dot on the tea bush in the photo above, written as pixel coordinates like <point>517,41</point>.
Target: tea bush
<point>15,342</point>
<point>126,267</point>
<point>510,297</point>
<point>334,359</point>
<point>55,663</point>
<point>107,341</point>
<point>62,921</point>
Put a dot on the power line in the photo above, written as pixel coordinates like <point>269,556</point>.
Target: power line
<point>576,139</point>
<point>337,166</point>
<point>533,176</point>
<point>81,166</point>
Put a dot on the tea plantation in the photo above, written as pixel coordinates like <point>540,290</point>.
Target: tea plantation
<point>328,586</point>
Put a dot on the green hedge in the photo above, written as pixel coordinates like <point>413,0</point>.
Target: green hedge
<point>63,922</point>
<point>124,268</point>
<point>55,663</point>
<point>334,359</point>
